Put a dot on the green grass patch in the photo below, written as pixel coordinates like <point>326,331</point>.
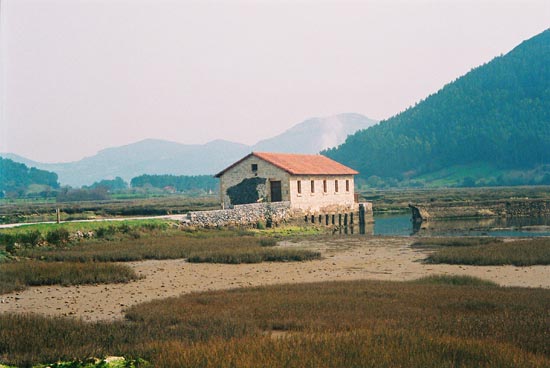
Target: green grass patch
<point>330,324</point>
<point>518,253</point>
<point>18,275</point>
<point>73,227</point>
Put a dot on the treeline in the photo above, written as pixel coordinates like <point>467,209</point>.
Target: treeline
<point>498,114</point>
<point>181,183</point>
<point>18,180</point>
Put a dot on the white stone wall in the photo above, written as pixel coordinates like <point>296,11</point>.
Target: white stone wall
<point>243,170</point>
<point>329,201</point>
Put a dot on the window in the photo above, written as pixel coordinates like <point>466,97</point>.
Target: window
<point>324,186</point>
<point>336,186</point>
<point>299,183</point>
<point>313,186</point>
<point>347,185</point>
<point>254,167</point>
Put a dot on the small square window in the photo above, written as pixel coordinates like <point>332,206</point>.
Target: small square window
<point>254,167</point>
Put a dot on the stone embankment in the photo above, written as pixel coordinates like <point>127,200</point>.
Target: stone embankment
<point>486,209</point>
<point>276,213</point>
<point>242,215</point>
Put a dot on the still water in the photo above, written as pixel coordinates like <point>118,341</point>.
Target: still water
<point>401,225</point>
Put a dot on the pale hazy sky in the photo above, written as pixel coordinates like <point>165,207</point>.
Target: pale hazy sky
<point>79,76</point>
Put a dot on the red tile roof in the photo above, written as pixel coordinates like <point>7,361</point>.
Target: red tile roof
<point>299,164</point>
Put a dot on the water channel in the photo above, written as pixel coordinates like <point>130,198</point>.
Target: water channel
<point>402,225</point>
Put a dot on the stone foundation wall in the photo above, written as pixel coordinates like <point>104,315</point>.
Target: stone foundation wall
<point>242,215</point>
<point>274,214</point>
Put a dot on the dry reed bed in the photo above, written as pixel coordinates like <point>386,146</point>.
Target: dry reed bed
<point>430,323</point>
<point>86,262</point>
<point>19,275</point>
<point>173,245</point>
<point>488,252</point>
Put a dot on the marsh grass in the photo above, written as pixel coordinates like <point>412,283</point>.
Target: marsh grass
<point>197,247</point>
<point>253,255</point>
<point>518,253</point>
<point>453,280</point>
<point>330,324</point>
<point>454,242</point>
<point>18,275</point>
<point>361,348</point>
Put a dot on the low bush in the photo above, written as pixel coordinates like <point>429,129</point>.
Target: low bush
<point>28,238</point>
<point>58,236</point>
<point>268,242</point>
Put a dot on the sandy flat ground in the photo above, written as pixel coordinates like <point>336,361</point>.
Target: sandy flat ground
<point>345,258</point>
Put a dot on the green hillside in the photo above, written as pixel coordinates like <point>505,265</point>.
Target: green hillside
<point>17,179</point>
<point>496,116</point>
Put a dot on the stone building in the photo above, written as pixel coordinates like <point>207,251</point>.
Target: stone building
<point>310,183</point>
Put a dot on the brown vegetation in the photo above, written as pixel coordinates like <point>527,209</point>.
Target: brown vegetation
<point>18,275</point>
<point>518,253</point>
<point>213,247</point>
<point>336,324</point>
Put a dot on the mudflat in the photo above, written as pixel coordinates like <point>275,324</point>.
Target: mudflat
<point>344,258</point>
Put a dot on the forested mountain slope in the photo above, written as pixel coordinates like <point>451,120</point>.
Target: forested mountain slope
<point>17,178</point>
<point>497,114</point>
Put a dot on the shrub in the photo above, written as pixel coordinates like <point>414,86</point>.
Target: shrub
<point>58,236</point>
<point>31,237</point>
<point>268,242</point>
<point>106,232</point>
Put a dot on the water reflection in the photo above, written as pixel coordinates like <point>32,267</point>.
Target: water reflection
<point>362,229</point>
<point>401,225</point>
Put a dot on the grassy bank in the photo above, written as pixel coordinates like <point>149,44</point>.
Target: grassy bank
<point>331,324</point>
<point>518,253</point>
<point>40,210</point>
<point>18,275</point>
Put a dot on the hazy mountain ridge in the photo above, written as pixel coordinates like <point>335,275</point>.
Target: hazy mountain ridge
<point>497,115</point>
<point>316,134</point>
<point>155,156</point>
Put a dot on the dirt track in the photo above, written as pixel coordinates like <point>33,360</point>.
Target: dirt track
<point>346,258</point>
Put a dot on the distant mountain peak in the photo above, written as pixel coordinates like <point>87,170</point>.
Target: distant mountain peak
<point>315,134</point>
<point>158,156</point>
